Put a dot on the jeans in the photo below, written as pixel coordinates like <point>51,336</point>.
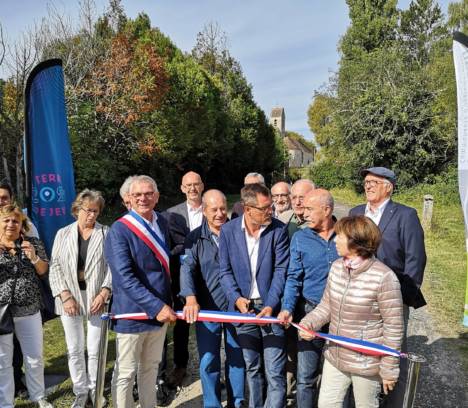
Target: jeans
<point>308,363</point>
<point>335,383</point>
<point>28,330</point>
<point>264,350</point>
<point>209,347</point>
<point>137,352</point>
<point>75,339</point>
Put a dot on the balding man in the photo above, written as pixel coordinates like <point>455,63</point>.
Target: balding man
<point>200,286</point>
<point>183,218</point>
<point>281,195</point>
<point>250,178</point>
<point>294,218</point>
<point>312,252</point>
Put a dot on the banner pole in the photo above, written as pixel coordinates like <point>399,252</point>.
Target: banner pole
<point>102,360</point>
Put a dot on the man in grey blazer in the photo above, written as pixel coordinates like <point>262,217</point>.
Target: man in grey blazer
<point>183,218</point>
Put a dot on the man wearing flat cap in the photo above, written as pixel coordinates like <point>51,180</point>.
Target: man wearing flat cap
<point>401,249</point>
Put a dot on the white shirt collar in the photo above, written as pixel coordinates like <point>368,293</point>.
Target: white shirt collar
<point>262,228</point>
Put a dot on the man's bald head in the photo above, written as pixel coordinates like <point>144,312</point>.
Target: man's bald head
<point>298,192</point>
<point>215,209</point>
<point>213,195</point>
<point>322,196</point>
<point>192,186</point>
<point>318,209</point>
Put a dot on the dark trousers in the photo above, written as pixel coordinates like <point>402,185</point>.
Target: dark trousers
<point>309,355</point>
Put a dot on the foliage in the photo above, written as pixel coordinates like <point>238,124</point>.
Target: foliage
<point>138,104</point>
<point>327,174</point>
<point>392,103</point>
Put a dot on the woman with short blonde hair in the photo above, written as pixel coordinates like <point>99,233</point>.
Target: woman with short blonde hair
<point>81,284</point>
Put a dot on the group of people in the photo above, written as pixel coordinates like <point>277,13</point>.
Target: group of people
<point>281,254</point>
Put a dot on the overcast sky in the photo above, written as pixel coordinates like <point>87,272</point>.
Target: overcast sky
<point>287,48</point>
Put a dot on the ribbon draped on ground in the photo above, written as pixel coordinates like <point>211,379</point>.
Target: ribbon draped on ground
<point>361,346</point>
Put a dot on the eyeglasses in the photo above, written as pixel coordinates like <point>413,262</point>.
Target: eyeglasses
<point>89,211</point>
<point>373,183</point>
<point>262,209</point>
<point>274,196</point>
<point>140,195</point>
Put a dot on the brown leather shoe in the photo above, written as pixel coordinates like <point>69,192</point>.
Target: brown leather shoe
<point>177,376</point>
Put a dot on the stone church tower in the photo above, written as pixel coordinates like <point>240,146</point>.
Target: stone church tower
<point>278,120</point>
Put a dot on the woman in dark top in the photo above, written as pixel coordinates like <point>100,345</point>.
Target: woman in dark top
<point>22,261</point>
<point>80,281</point>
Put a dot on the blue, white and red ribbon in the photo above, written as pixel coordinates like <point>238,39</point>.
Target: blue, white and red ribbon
<point>361,346</point>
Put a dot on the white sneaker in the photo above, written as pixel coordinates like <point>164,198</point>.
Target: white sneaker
<point>43,403</point>
<point>80,401</point>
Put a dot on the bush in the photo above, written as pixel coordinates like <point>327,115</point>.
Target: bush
<point>328,174</point>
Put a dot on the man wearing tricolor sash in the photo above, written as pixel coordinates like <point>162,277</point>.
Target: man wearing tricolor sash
<point>137,253</point>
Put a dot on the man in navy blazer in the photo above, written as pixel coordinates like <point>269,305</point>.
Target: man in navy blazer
<point>254,256</point>
<point>142,284</point>
<point>401,249</point>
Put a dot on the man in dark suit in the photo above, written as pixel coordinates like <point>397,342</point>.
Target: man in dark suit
<point>401,249</point>
<point>183,218</point>
<point>253,257</point>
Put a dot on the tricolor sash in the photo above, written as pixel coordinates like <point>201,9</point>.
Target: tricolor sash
<point>142,230</point>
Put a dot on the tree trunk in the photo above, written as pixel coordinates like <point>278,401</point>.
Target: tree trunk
<point>6,171</point>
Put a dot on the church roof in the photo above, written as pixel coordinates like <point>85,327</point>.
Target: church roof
<point>277,112</point>
<point>293,144</point>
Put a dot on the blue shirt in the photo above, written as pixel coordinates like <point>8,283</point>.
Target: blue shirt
<point>310,259</point>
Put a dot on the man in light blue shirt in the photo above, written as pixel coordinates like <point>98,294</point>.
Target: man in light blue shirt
<point>312,252</point>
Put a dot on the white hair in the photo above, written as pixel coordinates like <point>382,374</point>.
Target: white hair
<point>125,188</point>
<point>143,179</point>
<point>256,175</point>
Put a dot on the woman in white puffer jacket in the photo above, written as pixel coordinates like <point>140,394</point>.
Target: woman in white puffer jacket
<point>362,300</point>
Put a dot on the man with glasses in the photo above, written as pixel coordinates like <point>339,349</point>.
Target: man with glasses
<point>183,218</point>
<point>294,218</point>
<point>312,252</point>
<point>280,193</point>
<point>136,250</point>
<point>401,249</point>
<point>253,257</point>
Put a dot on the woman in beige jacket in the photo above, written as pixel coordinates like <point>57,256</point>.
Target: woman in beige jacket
<point>362,300</point>
<point>80,280</point>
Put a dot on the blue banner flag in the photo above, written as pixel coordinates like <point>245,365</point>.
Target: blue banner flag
<point>49,167</point>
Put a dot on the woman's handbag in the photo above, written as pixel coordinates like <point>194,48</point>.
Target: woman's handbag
<point>6,319</point>
<point>7,325</point>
